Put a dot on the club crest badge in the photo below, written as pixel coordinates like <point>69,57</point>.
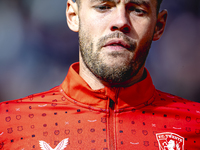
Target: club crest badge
<point>170,141</point>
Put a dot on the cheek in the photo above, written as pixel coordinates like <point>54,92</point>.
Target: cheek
<point>143,26</point>
<point>90,29</point>
<point>144,30</point>
<point>145,36</point>
<point>90,21</point>
<point>96,23</point>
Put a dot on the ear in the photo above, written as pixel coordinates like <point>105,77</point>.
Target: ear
<point>72,15</point>
<point>160,25</point>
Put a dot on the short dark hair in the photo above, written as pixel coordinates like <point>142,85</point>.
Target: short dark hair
<point>158,4</point>
<point>77,1</point>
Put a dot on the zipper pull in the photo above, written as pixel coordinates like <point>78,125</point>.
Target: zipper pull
<point>111,125</point>
<point>111,104</point>
<point>112,93</point>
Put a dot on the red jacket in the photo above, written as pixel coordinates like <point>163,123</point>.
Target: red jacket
<point>72,116</point>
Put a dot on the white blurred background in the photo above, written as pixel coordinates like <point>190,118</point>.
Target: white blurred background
<point>37,48</point>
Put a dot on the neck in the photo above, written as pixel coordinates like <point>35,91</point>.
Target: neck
<point>88,76</point>
<point>96,84</point>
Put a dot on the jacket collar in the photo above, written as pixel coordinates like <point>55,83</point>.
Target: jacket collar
<point>137,95</point>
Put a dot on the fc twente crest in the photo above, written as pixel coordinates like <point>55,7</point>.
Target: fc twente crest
<point>170,141</point>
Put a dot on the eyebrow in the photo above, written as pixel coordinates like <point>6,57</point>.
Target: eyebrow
<point>102,1</point>
<point>138,2</point>
<point>146,3</point>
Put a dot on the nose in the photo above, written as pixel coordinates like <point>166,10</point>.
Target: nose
<point>120,21</point>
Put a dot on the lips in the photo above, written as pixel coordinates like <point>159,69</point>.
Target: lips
<point>117,43</point>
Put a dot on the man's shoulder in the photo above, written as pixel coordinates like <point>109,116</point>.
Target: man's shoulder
<point>42,97</point>
<point>173,101</point>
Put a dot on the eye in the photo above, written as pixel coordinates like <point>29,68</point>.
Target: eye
<point>136,10</point>
<point>102,8</point>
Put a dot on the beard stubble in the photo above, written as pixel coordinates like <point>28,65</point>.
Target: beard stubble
<point>95,63</point>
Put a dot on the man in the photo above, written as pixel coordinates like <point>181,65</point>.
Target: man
<point>108,100</point>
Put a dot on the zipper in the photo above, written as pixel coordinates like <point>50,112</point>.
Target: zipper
<point>111,125</point>
<point>112,93</point>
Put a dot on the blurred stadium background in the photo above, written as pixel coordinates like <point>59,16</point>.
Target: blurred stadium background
<point>37,48</point>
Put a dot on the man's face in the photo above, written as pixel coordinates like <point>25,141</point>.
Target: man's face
<point>115,36</point>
